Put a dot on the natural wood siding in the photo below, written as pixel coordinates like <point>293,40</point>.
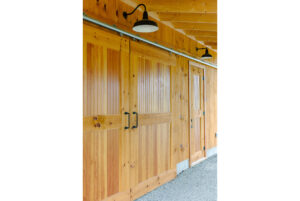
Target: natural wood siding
<point>104,139</point>
<point>150,91</point>
<point>197,108</point>
<point>180,104</point>
<point>120,75</point>
<point>211,107</point>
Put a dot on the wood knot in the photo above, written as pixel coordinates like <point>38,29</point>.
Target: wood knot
<point>181,147</point>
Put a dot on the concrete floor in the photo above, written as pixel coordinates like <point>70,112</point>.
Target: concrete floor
<point>198,183</point>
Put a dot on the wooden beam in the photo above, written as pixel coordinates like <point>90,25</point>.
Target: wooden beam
<point>193,6</point>
<point>188,17</point>
<point>197,26</point>
<point>206,38</point>
<point>201,33</point>
<point>211,44</point>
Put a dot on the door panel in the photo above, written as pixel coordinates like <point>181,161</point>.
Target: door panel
<point>120,163</point>
<point>197,118</point>
<point>150,72</point>
<point>104,136</point>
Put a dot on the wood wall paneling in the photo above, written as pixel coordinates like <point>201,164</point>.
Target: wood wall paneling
<point>180,98</point>
<point>121,75</point>
<point>211,107</point>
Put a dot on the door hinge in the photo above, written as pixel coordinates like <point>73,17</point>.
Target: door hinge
<point>203,113</point>
<point>203,78</point>
<point>204,148</point>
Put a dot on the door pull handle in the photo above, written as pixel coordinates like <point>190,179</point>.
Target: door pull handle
<point>136,120</point>
<point>128,126</point>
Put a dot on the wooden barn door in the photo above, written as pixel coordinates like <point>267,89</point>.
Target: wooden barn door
<point>197,113</point>
<point>150,108</point>
<point>105,100</point>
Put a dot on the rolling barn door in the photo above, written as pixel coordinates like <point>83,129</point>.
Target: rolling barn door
<point>105,139</point>
<point>150,107</point>
<point>197,113</point>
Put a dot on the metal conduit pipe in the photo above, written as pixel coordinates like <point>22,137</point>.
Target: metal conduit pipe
<point>88,19</point>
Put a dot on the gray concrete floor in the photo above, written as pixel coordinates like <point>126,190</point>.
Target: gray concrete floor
<point>198,183</point>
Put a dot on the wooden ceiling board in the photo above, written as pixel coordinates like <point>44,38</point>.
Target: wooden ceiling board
<point>193,6</point>
<point>195,26</point>
<point>188,17</point>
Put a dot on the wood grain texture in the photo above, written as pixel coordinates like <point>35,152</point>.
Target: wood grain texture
<point>172,12</point>
<point>121,75</point>
<point>207,38</point>
<point>201,33</point>
<point>122,196</point>
<point>104,146</point>
<point>193,6</point>
<point>180,105</point>
<point>211,44</point>
<point>110,12</point>
<point>151,98</point>
<point>188,17</point>
<point>152,183</point>
<point>197,108</point>
<point>195,26</point>
<point>211,107</point>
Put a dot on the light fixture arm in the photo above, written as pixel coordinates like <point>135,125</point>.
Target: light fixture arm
<point>145,15</point>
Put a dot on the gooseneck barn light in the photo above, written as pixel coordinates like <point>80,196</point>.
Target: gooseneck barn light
<point>145,25</point>
<point>206,55</point>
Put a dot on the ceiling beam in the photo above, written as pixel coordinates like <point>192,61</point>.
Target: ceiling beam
<point>212,44</point>
<point>194,6</point>
<point>201,33</point>
<point>188,17</point>
<point>214,47</point>
<point>206,39</point>
<point>195,26</point>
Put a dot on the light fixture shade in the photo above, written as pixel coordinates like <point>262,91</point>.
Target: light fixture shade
<point>145,26</point>
<point>206,55</point>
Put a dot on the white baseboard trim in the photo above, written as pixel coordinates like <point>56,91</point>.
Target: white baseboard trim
<point>183,165</point>
<point>211,152</point>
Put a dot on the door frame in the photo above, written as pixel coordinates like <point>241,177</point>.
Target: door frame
<point>198,65</point>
